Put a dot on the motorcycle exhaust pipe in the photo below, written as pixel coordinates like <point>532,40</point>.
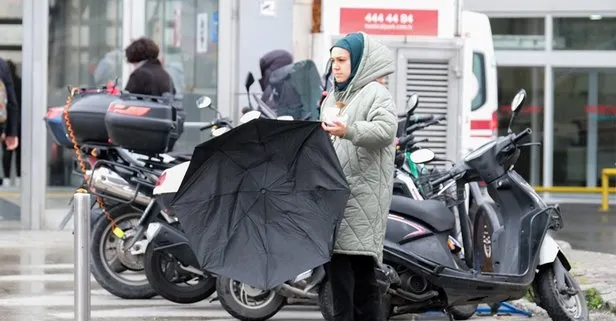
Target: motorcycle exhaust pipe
<point>107,181</point>
<point>298,292</point>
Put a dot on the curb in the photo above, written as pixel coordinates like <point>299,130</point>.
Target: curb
<point>564,245</point>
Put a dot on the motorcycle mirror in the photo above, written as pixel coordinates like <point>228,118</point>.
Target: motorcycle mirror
<point>251,115</point>
<point>516,107</point>
<point>219,131</point>
<point>204,102</point>
<point>250,79</point>
<point>421,156</point>
<point>285,117</point>
<point>411,103</point>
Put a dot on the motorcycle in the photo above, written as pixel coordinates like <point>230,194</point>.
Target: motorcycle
<point>124,181</point>
<point>419,271</point>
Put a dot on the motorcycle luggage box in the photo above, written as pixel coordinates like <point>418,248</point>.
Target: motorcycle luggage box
<point>87,117</point>
<point>55,126</point>
<point>141,123</point>
<point>177,132</point>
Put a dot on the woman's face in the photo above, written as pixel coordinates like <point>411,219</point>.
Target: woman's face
<point>341,64</point>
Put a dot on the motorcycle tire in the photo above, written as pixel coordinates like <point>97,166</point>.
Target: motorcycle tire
<point>100,269</point>
<point>552,301</point>
<point>153,262</point>
<point>225,287</point>
<point>326,303</point>
<point>463,312</point>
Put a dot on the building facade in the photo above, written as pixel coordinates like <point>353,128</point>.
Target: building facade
<point>563,55</point>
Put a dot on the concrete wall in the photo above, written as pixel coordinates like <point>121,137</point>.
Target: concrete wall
<point>556,7</point>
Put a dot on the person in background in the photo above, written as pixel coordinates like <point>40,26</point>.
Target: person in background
<point>359,114</point>
<point>7,155</point>
<point>148,77</point>
<point>10,129</point>
<point>269,63</point>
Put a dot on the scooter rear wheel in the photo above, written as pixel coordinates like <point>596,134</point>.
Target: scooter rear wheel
<point>247,303</point>
<point>560,306</point>
<point>463,312</point>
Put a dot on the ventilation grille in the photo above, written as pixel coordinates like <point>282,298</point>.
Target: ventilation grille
<point>430,81</point>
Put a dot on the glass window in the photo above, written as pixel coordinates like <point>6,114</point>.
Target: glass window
<point>510,79</point>
<point>584,125</point>
<point>84,50</point>
<point>187,32</point>
<point>479,71</point>
<point>570,123</point>
<point>587,33</point>
<point>518,33</point>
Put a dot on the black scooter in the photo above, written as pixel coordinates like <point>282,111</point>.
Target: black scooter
<point>420,272</point>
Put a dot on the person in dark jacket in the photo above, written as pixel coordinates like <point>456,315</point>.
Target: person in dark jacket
<point>149,77</point>
<point>10,130</point>
<point>268,63</point>
<point>7,154</point>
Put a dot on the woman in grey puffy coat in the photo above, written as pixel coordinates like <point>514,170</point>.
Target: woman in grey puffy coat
<point>360,116</point>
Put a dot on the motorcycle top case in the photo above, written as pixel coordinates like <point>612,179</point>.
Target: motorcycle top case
<point>141,123</point>
<point>55,126</point>
<point>87,116</point>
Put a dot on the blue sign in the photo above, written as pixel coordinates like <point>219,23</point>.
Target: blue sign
<point>214,27</point>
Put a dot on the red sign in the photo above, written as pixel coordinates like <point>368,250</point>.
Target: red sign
<point>396,22</point>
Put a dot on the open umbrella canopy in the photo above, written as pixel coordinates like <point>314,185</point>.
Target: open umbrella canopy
<point>260,204</point>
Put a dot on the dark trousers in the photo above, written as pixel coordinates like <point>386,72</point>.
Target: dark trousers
<point>7,156</point>
<point>354,288</point>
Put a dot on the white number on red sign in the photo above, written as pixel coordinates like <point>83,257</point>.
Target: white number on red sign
<point>406,18</point>
<point>374,18</point>
<point>392,18</point>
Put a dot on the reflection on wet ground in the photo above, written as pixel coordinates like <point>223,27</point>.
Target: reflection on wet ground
<point>588,229</point>
<point>36,283</point>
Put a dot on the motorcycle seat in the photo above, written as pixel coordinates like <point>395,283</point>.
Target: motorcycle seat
<point>433,213</point>
<point>180,155</point>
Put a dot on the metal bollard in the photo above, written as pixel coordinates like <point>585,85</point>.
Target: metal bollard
<point>81,207</point>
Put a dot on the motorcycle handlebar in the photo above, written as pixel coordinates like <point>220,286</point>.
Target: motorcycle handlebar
<point>457,170</point>
<point>218,122</point>
<point>419,126</point>
<point>521,135</point>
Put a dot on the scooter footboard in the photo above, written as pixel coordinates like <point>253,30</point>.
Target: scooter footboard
<point>462,287</point>
<point>171,240</point>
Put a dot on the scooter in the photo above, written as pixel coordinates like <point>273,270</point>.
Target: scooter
<point>419,271</point>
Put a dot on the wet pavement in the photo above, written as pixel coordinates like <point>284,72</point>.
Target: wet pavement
<point>586,228</point>
<point>36,283</point>
<point>36,273</point>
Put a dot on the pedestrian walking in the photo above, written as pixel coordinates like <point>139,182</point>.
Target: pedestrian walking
<point>7,154</point>
<point>359,114</point>
<point>148,77</point>
<point>10,114</point>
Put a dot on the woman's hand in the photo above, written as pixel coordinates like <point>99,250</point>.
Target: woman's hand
<point>338,128</point>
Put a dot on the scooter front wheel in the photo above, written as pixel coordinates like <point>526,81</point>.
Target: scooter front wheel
<point>567,303</point>
<point>170,282</point>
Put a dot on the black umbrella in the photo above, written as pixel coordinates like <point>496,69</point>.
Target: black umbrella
<point>260,203</point>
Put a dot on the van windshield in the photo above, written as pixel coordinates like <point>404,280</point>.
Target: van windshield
<point>479,70</point>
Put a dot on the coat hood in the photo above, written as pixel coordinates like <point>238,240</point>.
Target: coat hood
<point>376,61</point>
